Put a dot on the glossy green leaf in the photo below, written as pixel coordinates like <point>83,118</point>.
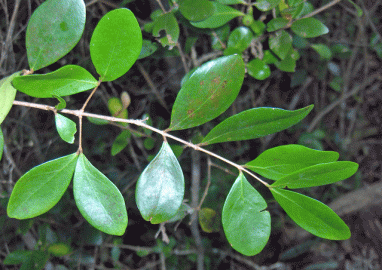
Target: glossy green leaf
<point>231,2</point>
<point>98,199</point>
<point>312,215</point>
<point>265,5</point>
<point>278,162</point>
<point>276,24</point>
<point>221,16</point>
<point>208,92</point>
<point>318,175</point>
<point>169,24</point>
<point>38,190</point>
<point>280,43</point>
<point>309,28</point>
<point>258,69</point>
<point>115,44</point>
<point>255,123</point>
<point>7,94</point>
<point>66,81</point>
<point>240,38</point>
<point>323,50</point>
<point>66,128</point>
<point>1,143</point>
<point>359,10</point>
<point>196,10</point>
<point>209,220</point>
<point>160,188</point>
<point>246,224</point>
<point>53,30</point>
<point>148,48</point>
<point>62,103</point>
<point>120,142</point>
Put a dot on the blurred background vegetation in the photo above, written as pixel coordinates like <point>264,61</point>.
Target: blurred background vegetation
<point>344,87</point>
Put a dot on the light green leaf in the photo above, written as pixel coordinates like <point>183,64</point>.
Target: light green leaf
<point>1,143</point>
<point>359,10</point>
<point>66,81</point>
<point>208,92</point>
<point>53,30</point>
<point>231,2</point>
<point>221,16</point>
<point>246,224</point>
<point>265,5</point>
<point>323,50</point>
<point>62,103</point>
<point>66,128</point>
<point>115,44</point>
<point>309,28</point>
<point>255,123</point>
<point>120,142</point>
<point>258,69</point>
<point>168,23</point>
<point>98,199</point>
<point>280,43</point>
<point>276,24</point>
<point>318,175</point>
<point>209,220</point>
<point>160,188</point>
<point>148,48</point>
<point>7,94</point>
<point>278,162</point>
<point>240,38</point>
<point>196,10</point>
<point>37,191</point>
<point>312,215</point>
<point>288,64</point>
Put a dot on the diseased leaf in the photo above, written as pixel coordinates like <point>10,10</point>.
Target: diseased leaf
<point>265,5</point>
<point>66,128</point>
<point>280,43</point>
<point>38,190</point>
<point>278,162</point>
<point>196,10</point>
<point>246,224</point>
<point>309,28</point>
<point>66,81</point>
<point>160,188</point>
<point>98,199</point>
<point>54,29</point>
<point>318,175</point>
<point>169,24</point>
<point>255,123</point>
<point>209,220</point>
<point>208,92</point>
<point>7,94</point>
<point>312,215</point>
<point>115,44</point>
<point>120,142</point>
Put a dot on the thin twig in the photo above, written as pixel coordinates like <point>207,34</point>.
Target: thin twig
<point>328,5</point>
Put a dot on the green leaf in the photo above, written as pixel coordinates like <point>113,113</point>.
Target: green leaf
<point>312,215</point>
<point>97,121</point>
<point>37,191</point>
<point>98,199</point>
<point>17,257</point>
<point>323,50</point>
<point>62,103</point>
<point>120,142</point>
<point>59,249</point>
<point>231,2</point>
<point>219,37</point>
<point>255,123</point>
<point>66,128</point>
<point>359,10</point>
<point>265,5</point>
<point>210,90</point>
<point>309,28</point>
<point>53,30</point>
<point>246,224</point>
<point>221,16</point>
<point>196,10</point>
<point>318,175</point>
<point>258,69</point>
<point>240,38</point>
<point>209,220</point>
<point>7,94</point>
<point>280,43</point>
<point>160,188</point>
<point>278,162</point>
<point>169,24</point>
<point>288,64</point>
<point>148,48</point>
<point>276,24</point>
<point>1,143</point>
<point>66,81</point>
<point>115,44</point>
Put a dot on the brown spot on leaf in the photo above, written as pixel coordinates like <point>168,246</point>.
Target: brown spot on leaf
<point>224,83</point>
<point>216,80</point>
<point>190,113</point>
<point>201,83</point>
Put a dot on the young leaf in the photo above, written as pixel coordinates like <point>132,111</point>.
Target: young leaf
<point>7,94</point>
<point>209,220</point>
<point>312,215</point>
<point>160,188</point>
<point>66,128</point>
<point>115,44</point>
<point>62,103</point>
<point>168,23</point>
<point>1,143</point>
<point>120,142</point>
<point>41,188</point>
<point>309,28</point>
<point>240,38</point>
<point>265,5</point>
<point>208,92</point>
<point>196,10</point>
<point>278,162</point>
<point>255,123</point>
<point>98,199</point>
<point>53,30</point>
<point>280,43</point>
<point>246,225</point>
<point>221,16</point>
<point>258,69</point>
<point>66,81</point>
<point>318,175</point>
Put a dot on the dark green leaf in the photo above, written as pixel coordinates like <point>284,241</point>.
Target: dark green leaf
<point>66,81</point>
<point>246,224</point>
<point>160,188</point>
<point>17,257</point>
<point>278,162</point>
<point>196,10</point>
<point>309,28</point>
<point>255,123</point>
<point>318,175</point>
<point>265,5</point>
<point>1,143</point>
<point>258,69</point>
<point>208,92</point>
<point>169,24</point>
<point>288,64</point>
<point>120,142</point>
<point>209,220</point>
<point>240,38</point>
<point>115,44</point>
<point>62,103</point>
<point>219,37</point>
<point>280,43</point>
<point>323,50</point>
<point>53,30</point>
<point>312,215</point>
<point>98,199</point>
<point>276,24</point>
<point>66,128</point>
<point>7,94</point>
<point>148,48</point>
<point>41,188</point>
<point>221,16</point>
